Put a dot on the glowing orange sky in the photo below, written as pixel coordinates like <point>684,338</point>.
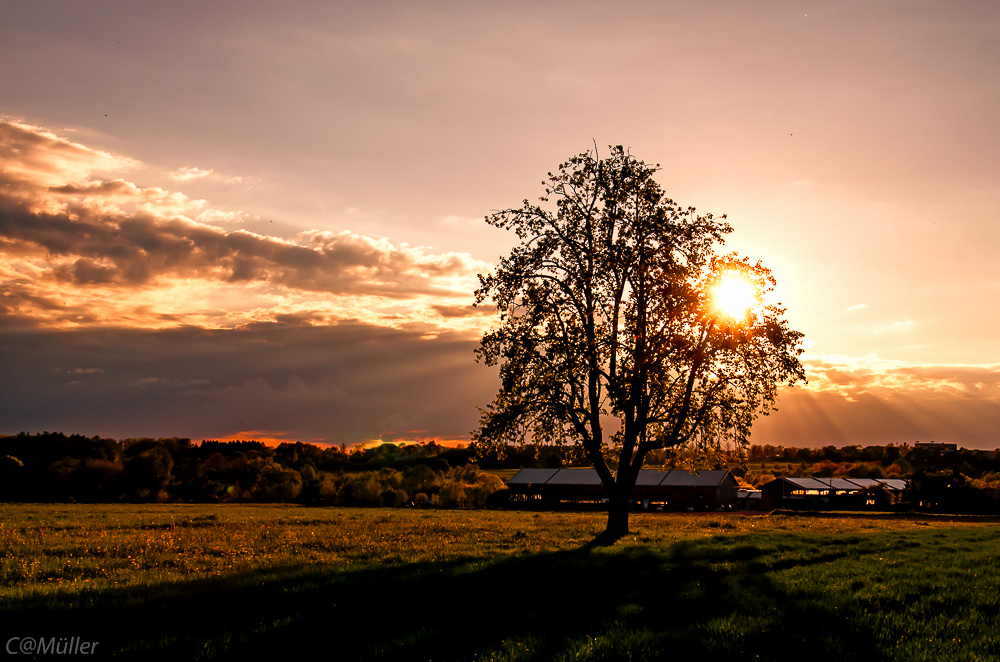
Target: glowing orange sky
<point>242,216</point>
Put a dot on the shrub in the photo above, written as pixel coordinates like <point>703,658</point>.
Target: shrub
<point>763,480</point>
<point>393,498</point>
<point>485,485</point>
<point>322,490</point>
<point>875,470</point>
<point>308,473</point>
<point>419,478</point>
<point>276,483</point>
<point>361,490</point>
<point>452,494</point>
<point>466,474</point>
<point>390,478</point>
<point>859,470</point>
<point>824,469</point>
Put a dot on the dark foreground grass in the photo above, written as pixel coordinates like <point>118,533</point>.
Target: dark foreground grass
<point>265,582</point>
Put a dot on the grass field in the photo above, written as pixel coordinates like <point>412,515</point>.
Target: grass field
<point>184,582</point>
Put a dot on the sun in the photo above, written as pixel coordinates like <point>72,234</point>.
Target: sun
<point>734,295</point>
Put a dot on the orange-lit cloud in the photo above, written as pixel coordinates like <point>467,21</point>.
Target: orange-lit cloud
<point>851,377</point>
<point>189,173</point>
<point>869,400</point>
<point>78,250</point>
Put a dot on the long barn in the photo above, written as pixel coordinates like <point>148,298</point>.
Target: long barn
<point>673,489</point>
<point>820,493</point>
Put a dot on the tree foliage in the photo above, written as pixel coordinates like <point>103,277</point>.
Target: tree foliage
<point>609,333</point>
<point>53,467</point>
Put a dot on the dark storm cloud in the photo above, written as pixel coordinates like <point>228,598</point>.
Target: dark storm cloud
<point>339,384</point>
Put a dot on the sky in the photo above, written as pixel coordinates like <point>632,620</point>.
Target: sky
<point>238,220</point>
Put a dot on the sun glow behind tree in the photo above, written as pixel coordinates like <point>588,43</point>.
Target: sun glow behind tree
<point>734,295</point>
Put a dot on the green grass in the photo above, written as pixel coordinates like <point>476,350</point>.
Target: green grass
<point>232,581</point>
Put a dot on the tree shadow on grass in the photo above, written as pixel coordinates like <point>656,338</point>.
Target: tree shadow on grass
<point>702,597</point>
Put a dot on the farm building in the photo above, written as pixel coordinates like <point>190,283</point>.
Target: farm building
<point>822,493</point>
<point>748,499</point>
<point>673,489</point>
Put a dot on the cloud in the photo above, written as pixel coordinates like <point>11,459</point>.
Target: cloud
<point>857,307</point>
<point>79,250</point>
<point>869,400</point>
<point>340,383</point>
<point>32,154</point>
<point>137,249</point>
<point>188,173</point>
<point>849,376</point>
<point>348,382</point>
<point>464,311</point>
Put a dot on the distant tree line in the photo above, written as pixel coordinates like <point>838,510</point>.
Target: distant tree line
<point>54,467</point>
<point>875,461</point>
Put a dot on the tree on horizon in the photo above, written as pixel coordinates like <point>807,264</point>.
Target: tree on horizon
<point>622,330</point>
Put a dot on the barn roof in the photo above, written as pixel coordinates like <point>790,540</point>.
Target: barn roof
<point>575,477</point>
<point>807,483</point>
<point>843,484</point>
<point>647,477</point>
<point>650,477</point>
<point>531,476</point>
<point>864,482</point>
<point>891,483</point>
<point>683,478</point>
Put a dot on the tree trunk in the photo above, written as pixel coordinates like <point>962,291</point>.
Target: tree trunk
<point>617,519</point>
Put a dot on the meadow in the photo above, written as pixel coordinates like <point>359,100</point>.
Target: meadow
<point>231,581</point>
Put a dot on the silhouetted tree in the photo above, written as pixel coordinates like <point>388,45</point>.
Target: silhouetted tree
<point>607,310</point>
<point>147,472</point>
